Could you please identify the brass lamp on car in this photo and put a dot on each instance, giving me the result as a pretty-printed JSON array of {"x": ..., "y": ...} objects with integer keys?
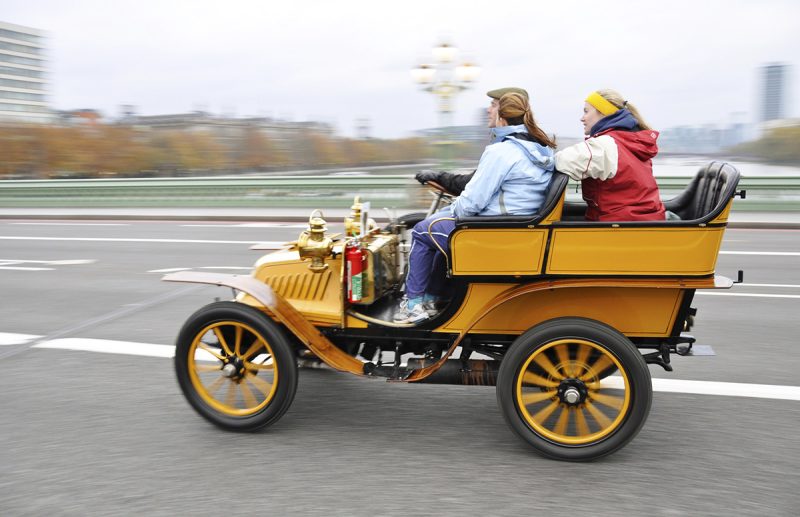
[
  {"x": 352, "y": 223},
  {"x": 313, "y": 244}
]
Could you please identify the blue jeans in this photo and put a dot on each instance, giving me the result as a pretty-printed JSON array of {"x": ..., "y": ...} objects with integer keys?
[{"x": 426, "y": 263}]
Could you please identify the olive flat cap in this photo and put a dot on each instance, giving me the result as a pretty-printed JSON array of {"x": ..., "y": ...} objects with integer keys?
[{"x": 496, "y": 94}]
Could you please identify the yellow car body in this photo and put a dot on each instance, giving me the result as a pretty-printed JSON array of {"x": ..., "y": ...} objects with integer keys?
[{"x": 518, "y": 284}]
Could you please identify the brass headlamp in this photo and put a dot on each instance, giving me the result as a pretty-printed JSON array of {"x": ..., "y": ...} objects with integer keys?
[
  {"x": 314, "y": 244},
  {"x": 352, "y": 223}
]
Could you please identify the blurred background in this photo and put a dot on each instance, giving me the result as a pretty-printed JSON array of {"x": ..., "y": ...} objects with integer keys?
[{"x": 146, "y": 89}]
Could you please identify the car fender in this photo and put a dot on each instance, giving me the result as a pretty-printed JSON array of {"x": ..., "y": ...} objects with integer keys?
[{"x": 282, "y": 311}]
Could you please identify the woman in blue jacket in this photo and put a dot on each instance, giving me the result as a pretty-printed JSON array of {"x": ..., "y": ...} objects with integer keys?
[{"x": 512, "y": 176}]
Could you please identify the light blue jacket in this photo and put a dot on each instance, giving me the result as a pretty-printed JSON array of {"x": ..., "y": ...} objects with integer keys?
[{"x": 511, "y": 178}]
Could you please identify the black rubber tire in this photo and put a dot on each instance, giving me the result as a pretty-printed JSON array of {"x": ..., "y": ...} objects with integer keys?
[
  {"x": 283, "y": 356},
  {"x": 610, "y": 340}
]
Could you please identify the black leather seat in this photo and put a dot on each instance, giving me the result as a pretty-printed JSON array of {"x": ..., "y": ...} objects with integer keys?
[
  {"x": 558, "y": 183},
  {"x": 707, "y": 194}
]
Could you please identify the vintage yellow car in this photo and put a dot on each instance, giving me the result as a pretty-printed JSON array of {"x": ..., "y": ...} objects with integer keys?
[{"x": 563, "y": 316}]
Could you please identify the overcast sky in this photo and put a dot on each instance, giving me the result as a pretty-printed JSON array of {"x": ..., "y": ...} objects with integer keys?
[{"x": 681, "y": 62}]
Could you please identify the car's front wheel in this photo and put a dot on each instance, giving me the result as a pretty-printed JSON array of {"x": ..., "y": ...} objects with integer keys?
[{"x": 235, "y": 366}]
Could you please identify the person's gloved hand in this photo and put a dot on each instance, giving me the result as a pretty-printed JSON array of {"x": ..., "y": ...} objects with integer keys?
[{"x": 427, "y": 175}]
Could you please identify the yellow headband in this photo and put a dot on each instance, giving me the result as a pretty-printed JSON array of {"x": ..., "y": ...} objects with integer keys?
[{"x": 600, "y": 104}]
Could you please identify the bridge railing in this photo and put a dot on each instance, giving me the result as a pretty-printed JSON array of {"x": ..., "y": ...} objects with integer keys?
[{"x": 764, "y": 193}]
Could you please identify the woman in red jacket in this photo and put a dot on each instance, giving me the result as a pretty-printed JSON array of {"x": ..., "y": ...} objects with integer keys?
[{"x": 614, "y": 163}]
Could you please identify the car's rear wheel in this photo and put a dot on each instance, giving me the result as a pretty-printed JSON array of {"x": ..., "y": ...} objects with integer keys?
[
  {"x": 235, "y": 366},
  {"x": 556, "y": 390}
]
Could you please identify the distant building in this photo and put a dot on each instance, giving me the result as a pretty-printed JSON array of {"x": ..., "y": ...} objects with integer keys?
[
  {"x": 773, "y": 95},
  {"x": 81, "y": 117},
  {"x": 363, "y": 128},
  {"x": 479, "y": 134},
  {"x": 23, "y": 85},
  {"x": 706, "y": 139},
  {"x": 228, "y": 131}
]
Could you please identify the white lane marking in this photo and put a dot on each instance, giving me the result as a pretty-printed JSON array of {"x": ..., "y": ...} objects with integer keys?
[
  {"x": 764, "y": 253},
  {"x": 225, "y": 267},
  {"x": 211, "y": 225},
  {"x": 247, "y": 225},
  {"x": 730, "y": 389},
  {"x": 8, "y": 338},
  {"x": 109, "y": 347},
  {"x": 769, "y": 285},
  {"x": 273, "y": 244},
  {"x": 71, "y": 224},
  {"x": 278, "y": 225},
  {"x": 173, "y": 269},
  {"x": 16, "y": 268},
  {"x": 746, "y": 295},
  {"x": 6, "y": 262},
  {"x": 15, "y": 265}
]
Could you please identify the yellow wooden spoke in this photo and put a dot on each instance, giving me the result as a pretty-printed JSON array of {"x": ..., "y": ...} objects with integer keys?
[
  {"x": 257, "y": 344},
  {"x": 249, "y": 399},
  {"x": 210, "y": 350},
  {"x": 207, "y": 367},
  {"x": 583, "y": 427},
  {"x": 237, "y": 345},
  {"x": 260, "y": 384},
  {"x": 545, "y": 412},
  {"x": 537, "y": 380},
  {"x": 597, "y": 368},
  {"x": 222, "y": 341},
  {"x": 583, "y": 356},
  {"x": 563, "y": 357},
  {"x": 598, "y": 415},
  {"x": 608, "y": 400},
  {"x": 563, "y": 421},
  {"x": 532, "y": 397},
  {"x": 544, "y": 361},
  {"x": 259, "y": 366},
  {"x": 230, "y": 398},
  {"x": 609, "y": 383},
  {"x": 216, "y": 385}
]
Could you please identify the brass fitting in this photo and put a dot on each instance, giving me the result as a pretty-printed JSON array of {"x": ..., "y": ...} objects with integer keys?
[
  {"x": 352, "y": 223},
  {"x": 313, "y": 243}
]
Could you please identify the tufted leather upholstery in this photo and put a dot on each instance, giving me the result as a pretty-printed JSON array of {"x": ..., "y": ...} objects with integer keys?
[{"x": 707, "y": 194}]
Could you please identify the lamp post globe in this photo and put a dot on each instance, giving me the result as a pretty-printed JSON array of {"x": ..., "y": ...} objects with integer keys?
[{"x": 445, "y": 79}]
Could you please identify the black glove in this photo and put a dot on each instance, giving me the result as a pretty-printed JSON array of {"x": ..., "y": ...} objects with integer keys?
[
  {"x": 427, "y": 175},
  {"x": 454, "y": 183}
]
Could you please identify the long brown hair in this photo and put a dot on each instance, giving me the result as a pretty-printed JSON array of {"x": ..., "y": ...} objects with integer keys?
[
  {"x": 514, "y": 108},
  {"x": 617, "y": 100}
]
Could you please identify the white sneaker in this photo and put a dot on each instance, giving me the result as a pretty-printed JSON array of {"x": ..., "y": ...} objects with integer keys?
[
  {"x": 406, "y": 315},
  {"x": 435, "y": 306},
  {"x": 431, "y": 308}
]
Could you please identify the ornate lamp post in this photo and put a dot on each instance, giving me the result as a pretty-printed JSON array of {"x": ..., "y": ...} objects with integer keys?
[{"x": 445, "y": 79}]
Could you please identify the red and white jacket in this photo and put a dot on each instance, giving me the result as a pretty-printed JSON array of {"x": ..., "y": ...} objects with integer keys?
[{"x": 616, "y": 172}]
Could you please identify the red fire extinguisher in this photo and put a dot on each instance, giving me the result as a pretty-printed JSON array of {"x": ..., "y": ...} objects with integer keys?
[{"x": 354, "y": 261}]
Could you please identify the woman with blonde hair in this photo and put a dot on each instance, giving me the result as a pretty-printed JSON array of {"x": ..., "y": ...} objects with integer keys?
[
  {"x": 614, "y": 163},
  {"x": 511, "y": 179}
]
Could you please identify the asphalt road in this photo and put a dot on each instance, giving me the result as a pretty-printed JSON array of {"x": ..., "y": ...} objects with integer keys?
[{"x": 107, "y": 434}]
